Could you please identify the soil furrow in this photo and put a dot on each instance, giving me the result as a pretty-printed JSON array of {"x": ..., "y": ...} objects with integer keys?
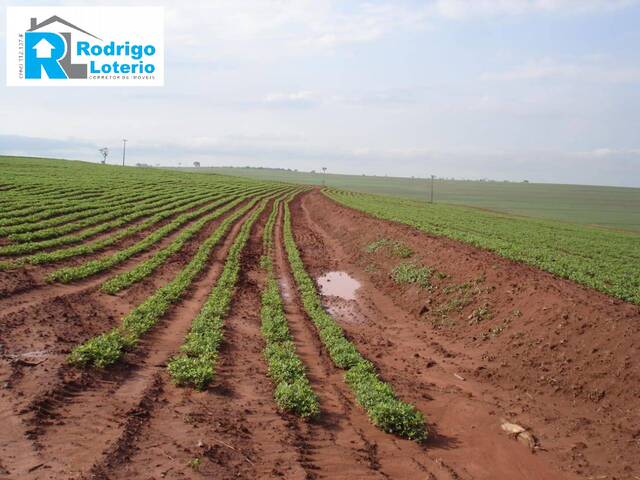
[
  {"x": 121, "y": 450},
  {"x": 343, "y": 439},
  {"x": 233, "y": 430},
  {"x": 79, "y": 419}
]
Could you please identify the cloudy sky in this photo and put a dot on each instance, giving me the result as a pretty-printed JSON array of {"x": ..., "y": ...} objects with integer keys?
[{"x": 547, "y": 90}]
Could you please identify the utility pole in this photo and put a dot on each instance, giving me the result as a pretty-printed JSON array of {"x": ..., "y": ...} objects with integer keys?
[
  {"x": 324, "y": 176},
  {"x": 124, "y": 149},
  {"x": 432, "y": 178}
]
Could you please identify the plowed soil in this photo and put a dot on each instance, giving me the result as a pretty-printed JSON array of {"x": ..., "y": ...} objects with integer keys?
[{"x": 488, "y": 342}]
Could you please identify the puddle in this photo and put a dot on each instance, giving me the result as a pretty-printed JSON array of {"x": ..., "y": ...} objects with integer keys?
[{"x": 338, "y": 284}]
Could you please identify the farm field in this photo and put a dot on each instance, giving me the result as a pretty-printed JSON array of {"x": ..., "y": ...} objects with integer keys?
[
  {"x": 609, "y": 207},
  {"x": 164, "y": 324}
]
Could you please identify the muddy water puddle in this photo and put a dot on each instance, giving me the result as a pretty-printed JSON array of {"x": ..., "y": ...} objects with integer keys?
[
  {"x": 338, "y": 284},
  {"x": 339, "y": 290}
]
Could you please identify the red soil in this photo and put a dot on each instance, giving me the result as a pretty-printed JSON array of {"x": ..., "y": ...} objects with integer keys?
[{"x": 563, "y": 367}]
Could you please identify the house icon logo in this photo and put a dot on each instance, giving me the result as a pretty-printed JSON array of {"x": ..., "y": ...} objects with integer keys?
[{"x": 50, "y": 53}]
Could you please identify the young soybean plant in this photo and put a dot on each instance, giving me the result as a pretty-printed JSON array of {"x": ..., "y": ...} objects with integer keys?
[
  {"x": 378, "y": 399},
  {"x": 197, "y": 362},
  {"x": 97, "y": 245},
  {"x": 126, "y": 279},
  {"x": 70, "y": 274},
  {"x": 108, "y": 348},
  {"x": 34, "y": 246},
  {"x": 293, "y": 391}
]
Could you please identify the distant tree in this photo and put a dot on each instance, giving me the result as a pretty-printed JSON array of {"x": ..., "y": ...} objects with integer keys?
[
  {"x": 105, "y": 153},
  {"x": 196, "y": 164},
  {"x": 525, "y": 181}
]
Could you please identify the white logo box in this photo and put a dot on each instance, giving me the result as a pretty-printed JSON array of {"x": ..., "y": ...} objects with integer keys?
[{"x": 85, "y": 46}]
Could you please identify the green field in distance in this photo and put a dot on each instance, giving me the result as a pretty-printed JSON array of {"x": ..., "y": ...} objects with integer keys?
[{"x": 611, "y": 207}]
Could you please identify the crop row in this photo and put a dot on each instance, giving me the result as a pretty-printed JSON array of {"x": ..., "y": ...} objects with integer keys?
[
  {"x": 109, "y": 347},
  {"x": 126, "y": 279},
  {"x": 73, "y": 232},
  {"x": 293, "y": 391},
  {"x": 97, "y": 245},
  {"x": 57, "y": 231},
  {"x": 197, "y": 363},
  {"x": 188, "y": 201},
  {"x": 30, "y": 208},
  {"x": 92, "y": 267},
  {"x": 34, "y": 208},
  {"x": 78, "y": 212},
  {"x": 59, "y": 208},
  {"x": 378, "y": 399},
  {"x": 70, "y": 274},
  {"x": 19, "y": 206}
]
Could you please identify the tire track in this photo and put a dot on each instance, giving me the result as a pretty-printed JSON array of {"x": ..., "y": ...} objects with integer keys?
[{"x": 18, "y": 454}]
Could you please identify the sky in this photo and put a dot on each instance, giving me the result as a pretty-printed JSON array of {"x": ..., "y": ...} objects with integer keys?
[{"x": 543, "y": 90}]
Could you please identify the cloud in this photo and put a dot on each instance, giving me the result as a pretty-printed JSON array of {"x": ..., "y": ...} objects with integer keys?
[
  {"x": 208, "y": 31},
  {"x": 462, "y": 9},
  {"x": 383, "y": 97},
  {"x": 284, "y": 28},
  {"x": 630, "y": 153},
  {"x": 301, "y": 99},
  {"x": 304, "y": 27},
  {"x": 392, "y": 97},
  {"x": 548, "y": 68}
]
